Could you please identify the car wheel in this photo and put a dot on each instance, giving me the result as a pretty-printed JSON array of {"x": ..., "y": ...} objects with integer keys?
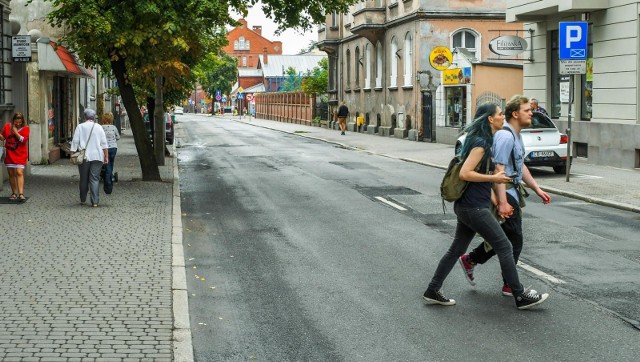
[{"x": 560, "y": 170}]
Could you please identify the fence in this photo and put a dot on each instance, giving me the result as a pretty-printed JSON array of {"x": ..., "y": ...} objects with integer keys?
[{"x": 295, "y": 107}]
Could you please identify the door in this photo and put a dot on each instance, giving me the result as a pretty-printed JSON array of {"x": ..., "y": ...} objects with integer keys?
[{"x": 427, "y": 117}]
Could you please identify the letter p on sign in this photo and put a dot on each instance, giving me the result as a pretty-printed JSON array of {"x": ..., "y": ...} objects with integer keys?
[{"x": 574, "y": 35}]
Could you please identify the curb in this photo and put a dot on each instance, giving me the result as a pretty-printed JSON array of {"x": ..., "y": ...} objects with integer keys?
[
  {"x": 182, "y": 344},
  {"x": 573, "y": 195}
]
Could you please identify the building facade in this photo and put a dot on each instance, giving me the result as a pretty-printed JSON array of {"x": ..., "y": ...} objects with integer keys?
[
  {"x": 247, "y": 45},
  {"x": 379, "y": 64},
  {"x": 605, "y": 127}
]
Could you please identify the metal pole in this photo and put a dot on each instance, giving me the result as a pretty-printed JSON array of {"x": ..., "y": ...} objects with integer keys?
[{"x": 568, "y": 131}]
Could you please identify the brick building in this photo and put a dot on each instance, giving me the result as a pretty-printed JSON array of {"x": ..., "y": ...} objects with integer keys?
[{"x": 247, "y": 44}]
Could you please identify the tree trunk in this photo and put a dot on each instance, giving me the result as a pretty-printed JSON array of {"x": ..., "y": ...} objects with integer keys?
[
  {"x": 159, "y": 125},
  {"x": 148, "y": 164}
]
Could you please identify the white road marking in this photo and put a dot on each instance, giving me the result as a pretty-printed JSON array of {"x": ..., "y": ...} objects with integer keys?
[
  {"x": 540, "y": 273},
  {"x": 392, "y": 204}
]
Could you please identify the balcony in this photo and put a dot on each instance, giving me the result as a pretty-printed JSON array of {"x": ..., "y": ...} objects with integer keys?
[
  {"x": 524, "y": 10},
  {"x": 369, "y": 22}
]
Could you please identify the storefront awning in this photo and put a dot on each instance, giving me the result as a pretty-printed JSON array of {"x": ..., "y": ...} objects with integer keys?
[{"x": 56, "y": 58}]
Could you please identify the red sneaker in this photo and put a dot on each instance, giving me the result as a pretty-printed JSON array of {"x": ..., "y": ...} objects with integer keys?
[
  {"x": 467, "y": 267},
  {"x": 506, "y": 291}
]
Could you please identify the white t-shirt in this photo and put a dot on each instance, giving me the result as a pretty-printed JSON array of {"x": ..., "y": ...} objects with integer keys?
[
  {"x": 94, "y": 146},
  {"x": 112, "y": 135}
]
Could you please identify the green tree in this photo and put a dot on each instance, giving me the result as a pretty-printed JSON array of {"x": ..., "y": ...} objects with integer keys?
[
  {"x": 144, "y": 39},
  {"x": 292, "y": 80},
  {"x": 216, "y": 72},
  {"x": 316, "y": 81}
]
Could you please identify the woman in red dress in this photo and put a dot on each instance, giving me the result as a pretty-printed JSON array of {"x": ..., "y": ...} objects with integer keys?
[{"x": 15, "y": 136}]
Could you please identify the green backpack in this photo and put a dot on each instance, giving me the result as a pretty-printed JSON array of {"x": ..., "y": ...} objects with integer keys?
[{"x": 452, "y": 187}]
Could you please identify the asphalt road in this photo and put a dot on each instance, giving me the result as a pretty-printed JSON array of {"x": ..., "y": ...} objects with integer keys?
[{"x": 292, "y": 256}]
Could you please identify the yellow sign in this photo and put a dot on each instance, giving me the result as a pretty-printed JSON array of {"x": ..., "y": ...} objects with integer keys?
[
  {"x": 240, "y": 90},
  {"x": 456, "y": 76},
  {"x": 441, "y": 58}
]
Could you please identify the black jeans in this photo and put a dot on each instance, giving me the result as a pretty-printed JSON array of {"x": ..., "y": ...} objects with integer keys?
[
  {"x": 512, "y": 227},
  {"x": 480, "y": 221}
]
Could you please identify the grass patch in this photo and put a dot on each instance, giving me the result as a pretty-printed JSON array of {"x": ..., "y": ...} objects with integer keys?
[{"x": 300, "y": 132}]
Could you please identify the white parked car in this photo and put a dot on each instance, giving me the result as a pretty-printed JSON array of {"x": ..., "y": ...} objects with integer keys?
[
  {"x": 543, "y": 143},
  {"x": 178, "y": 110}
]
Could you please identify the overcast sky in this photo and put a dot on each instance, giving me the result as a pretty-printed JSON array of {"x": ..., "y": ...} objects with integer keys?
[{"x": 292, "y": 41}]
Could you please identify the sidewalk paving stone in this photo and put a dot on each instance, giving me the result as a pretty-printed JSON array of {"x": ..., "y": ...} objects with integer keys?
[{"x": 77, "y": 281}]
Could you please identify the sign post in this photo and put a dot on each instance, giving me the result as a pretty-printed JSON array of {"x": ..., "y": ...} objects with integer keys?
[{"x": 573, "y": 62}]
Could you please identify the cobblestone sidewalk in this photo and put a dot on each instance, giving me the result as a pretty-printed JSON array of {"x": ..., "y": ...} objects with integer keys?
[{"x": 87, "y": 284}]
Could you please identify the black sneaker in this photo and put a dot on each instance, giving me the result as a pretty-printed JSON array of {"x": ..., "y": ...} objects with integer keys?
[
  {"x": 530, "y": 298},
  {"x": 432, "y": 297}
]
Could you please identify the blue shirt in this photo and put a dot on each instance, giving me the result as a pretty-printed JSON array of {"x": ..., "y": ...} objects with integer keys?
[{"x": 503, "y": 143}]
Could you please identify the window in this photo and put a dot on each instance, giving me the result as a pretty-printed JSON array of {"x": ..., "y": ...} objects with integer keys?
[
  {"x": 467, "y": 39},
  {"x": 586, "y": 110},
  {"x": 378, "y": 65},
  {"x": 241, "y": 45},
  {"x": 244, "y": 61},
  {"x": 559, "y": 83},
  {"x": 358, "y": 63},
  {"x": 408, "y": 59},
  {"x": 348, "y": 65},
  {"x": 247, "y": 44},
  {"x": 393, "y": 79},
  {"x": 236, "y": 45},
  {"x": 334, "y": 19},
  {"x": 367, "y": 67}
]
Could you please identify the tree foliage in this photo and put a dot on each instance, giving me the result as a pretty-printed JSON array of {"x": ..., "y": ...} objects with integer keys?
[
  {"x": 216, "y": 72},
  {"x": 316, "y": 81},
  {"x": 144, "y": 39}
]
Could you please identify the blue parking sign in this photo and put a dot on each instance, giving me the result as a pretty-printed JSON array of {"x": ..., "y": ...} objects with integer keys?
[{"x": 573, "y": 40}]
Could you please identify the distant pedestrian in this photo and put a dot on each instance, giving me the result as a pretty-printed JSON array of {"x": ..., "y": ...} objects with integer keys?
[
  {"x": 113, "y": 136},
  {"x": 474, "y": 215},
  {"x": 509, "y": 153},
  {"x": 535, "y": 107},
  {"x": 15, "y": 135},
  {"x": 343, "y": 113},
  {"x": 94, "y": 141}
]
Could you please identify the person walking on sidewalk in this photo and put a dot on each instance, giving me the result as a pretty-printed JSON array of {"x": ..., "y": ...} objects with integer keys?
[
  {"x": 94, "y": 141},
  {"x": 15, "y": 135},
  {"x": 474, "y": 215},
  {"x": 343, "y": 113},
  {"x": 113, "y": 136},
  {"x": 508, "y": 153}
]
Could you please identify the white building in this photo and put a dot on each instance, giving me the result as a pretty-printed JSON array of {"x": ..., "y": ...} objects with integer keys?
[{"x": 606, "y": 129}]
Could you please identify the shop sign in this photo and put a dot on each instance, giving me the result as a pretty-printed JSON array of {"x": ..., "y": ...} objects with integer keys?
[
  {"x": 456, "y": 76},
  {"x": 441, "y": 58},
  {"x": 21, "y": 48},
  {"x": 573, "y": 67},
  {"x": 509, "y": 45}
]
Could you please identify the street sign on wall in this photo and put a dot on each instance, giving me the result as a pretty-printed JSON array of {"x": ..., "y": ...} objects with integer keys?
[
  {"x": 573, "y": 40},
  {"x": 508, "y": 45},
  {"x": 21, "y": 48}
]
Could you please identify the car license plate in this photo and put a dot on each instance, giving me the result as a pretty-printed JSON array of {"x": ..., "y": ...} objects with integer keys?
[{"x": 539, "y": 154}]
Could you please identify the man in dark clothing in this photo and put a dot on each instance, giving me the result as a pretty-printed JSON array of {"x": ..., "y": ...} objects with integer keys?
[
  {"x": 535, "y": 107},
  {"x": 343, "y": 113}
]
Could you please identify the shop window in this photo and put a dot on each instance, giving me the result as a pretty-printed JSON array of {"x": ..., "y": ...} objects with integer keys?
[
  {"x": 408, "y": 55},
  {"x": 456, "y": 106},
  {"x": 358, "y": 63},
  {"x": 378, "y": 65},
  {"x": 393, "y": 78},
  {"x": 586, "y": 96},
  {"x": 367, "y": 67},
  {"x": 467, "y": 39},
  {"x": 348, "y": 65}
]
